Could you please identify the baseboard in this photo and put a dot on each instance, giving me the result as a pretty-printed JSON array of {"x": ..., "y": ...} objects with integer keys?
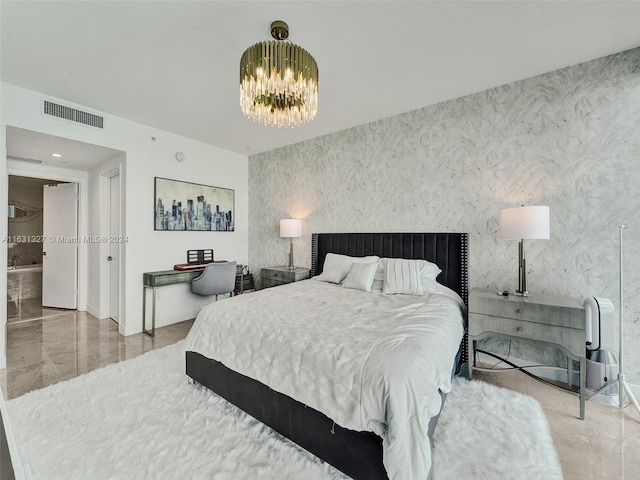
[
  {"x": 174, "y": 318},
  {"x": 91, "y": 310}
]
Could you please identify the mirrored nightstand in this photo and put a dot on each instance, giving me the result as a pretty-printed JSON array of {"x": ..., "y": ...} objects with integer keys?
[{"x": 280, "y": 275}]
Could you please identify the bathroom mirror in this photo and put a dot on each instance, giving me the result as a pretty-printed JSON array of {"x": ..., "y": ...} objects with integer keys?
[
  {"x": 16, "y": 212},
  {"x": 21, "y": 212}
]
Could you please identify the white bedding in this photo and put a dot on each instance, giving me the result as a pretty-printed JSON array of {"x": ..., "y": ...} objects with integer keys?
[{"x": 368, "y": 361}]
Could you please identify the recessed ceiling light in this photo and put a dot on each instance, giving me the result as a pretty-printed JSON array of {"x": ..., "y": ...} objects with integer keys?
[{"x": 57, "y": 155}]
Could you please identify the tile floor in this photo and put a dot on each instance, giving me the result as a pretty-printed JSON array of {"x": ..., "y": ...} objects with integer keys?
[
  {"x": 41, "y": 352},
  {"x": 30, "y": 309},
  {"x": 605, "y": 445},
  {"x": 69, "y": 343}
]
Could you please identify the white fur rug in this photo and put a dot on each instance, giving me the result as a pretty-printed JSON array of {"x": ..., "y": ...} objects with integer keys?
[{"x": 140, "y": 419}]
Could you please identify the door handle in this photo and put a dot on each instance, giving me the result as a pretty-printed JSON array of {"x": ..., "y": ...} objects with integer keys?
[
  {"x": 109, "y": 258},
  {"x": 44, "y": 254}
]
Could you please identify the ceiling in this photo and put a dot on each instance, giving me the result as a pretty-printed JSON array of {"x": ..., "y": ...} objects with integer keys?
[
  {"x": 174, "y": 65},
  {"x": 25, "y": 145}
]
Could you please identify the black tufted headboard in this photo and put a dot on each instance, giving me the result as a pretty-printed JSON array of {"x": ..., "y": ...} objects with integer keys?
[{"x": 447, "y": 250}]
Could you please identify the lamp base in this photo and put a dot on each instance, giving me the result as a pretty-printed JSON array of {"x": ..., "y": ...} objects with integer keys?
[{"x": 290, "y": 266}]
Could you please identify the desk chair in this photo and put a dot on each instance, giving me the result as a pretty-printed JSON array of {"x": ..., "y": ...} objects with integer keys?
[{"x": 217, "y": 279}]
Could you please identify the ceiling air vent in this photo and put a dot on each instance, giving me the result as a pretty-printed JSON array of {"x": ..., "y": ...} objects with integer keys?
[
  {"x": 23, "y": 159},
  {"x": 68, "y": 113}
]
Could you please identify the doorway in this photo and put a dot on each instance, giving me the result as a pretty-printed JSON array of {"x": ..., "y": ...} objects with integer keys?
[
  {"x": 114, "y": 245},
  {"x": 60, "y": 246},
  {"x": 39, "y": 279},
  {"x": 44, "y": 156}
]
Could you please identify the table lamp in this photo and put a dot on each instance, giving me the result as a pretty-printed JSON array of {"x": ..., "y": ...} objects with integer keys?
[
  {"x": 290, "y": 228},
  {"x": 520, "y": 223}
]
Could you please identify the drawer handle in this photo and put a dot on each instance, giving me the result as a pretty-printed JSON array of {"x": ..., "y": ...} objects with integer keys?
[
  {"x": 518, "y": 329},
  {"x": 518, "y": 310}
]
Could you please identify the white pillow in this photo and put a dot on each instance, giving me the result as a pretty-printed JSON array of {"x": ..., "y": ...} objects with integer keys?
[
  {"x": 360, "y": 276},
  {"x": 336, "y": 267},
  {"x": 429, "y": 271},
  {"x": 378, "y": 279},
  {"x": 402, "y": 276}
]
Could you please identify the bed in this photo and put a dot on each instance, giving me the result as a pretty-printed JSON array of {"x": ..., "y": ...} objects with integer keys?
[{"x": 345, "y": 440}]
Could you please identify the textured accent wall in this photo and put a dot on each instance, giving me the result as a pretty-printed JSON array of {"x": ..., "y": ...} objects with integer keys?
[{"x": 569, "y": 139}]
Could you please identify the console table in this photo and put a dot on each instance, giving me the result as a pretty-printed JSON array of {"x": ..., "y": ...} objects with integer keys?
[
  {"x": 154, "y": 280},
  {"x": 551, "y": 320}
]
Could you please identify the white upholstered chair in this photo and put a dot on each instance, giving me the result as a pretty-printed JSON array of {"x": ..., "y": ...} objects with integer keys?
[{"x": 217, "y": 279}]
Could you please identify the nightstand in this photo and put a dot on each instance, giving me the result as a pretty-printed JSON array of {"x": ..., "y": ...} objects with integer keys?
[
  {"x": 274, "y": 276},
  {"x": 551, "y": 320}
]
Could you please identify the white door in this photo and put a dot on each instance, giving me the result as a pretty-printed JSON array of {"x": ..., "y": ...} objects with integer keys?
[
  {"x": 114, "y": 247},
  {"x": 60, "y": 249}
]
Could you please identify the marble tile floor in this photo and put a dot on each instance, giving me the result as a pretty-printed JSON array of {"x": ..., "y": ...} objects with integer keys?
[
  {"x": 605, "y": 445},
  {"x": 49, "y": 350},
  {"x": 29, "y": 309},
  {"x": 56, "y": 348}
]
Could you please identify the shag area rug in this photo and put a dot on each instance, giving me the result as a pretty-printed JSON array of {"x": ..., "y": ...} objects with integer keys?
[{"x": 140, "y": 419}]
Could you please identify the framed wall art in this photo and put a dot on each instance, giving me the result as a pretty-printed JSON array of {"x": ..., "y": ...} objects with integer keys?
[{"x": 185, "y": 206}]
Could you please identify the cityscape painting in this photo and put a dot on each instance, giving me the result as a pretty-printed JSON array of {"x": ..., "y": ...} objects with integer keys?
[{"x": 188, "y": 206}]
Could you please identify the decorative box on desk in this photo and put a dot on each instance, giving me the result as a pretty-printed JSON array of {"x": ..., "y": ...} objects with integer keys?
[
  {"x": 550, "y": 320},
  {"x": 274, "y": 276}
]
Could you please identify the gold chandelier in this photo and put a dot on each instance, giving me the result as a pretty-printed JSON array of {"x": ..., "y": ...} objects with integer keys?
[{"x": 278, "y": 81}]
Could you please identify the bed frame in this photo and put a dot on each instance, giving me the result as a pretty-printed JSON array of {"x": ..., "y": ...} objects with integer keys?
[{"x": 357, "y": 454}]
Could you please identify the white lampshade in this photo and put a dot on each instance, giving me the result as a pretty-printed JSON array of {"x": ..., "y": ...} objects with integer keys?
[
  {"x": 291, "y": 228},
  {"x": 524, "y": 223}
]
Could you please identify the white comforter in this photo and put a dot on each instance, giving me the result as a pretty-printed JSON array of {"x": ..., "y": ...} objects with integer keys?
[{"x": 366, "y": 360}]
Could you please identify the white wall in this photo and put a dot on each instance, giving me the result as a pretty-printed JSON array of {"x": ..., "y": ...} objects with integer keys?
[{"x": 149, "y": 152}]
